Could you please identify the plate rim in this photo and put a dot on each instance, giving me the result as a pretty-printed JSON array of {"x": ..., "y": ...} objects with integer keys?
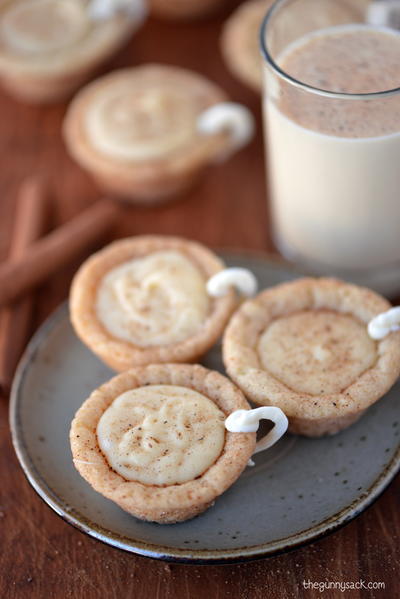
[{"x": 172, "y": 554}]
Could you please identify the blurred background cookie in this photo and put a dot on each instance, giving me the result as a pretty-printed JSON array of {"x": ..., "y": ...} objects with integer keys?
[
  {"x": 142, "y": 135},
  {"x": 48, "y": 48}
]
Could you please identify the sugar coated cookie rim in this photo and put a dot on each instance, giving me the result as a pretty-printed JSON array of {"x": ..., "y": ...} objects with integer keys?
[
  {"x": 151, "y": 501},
  {"x": 251, "y": 319},
  {"x": 118, "y": 351}
]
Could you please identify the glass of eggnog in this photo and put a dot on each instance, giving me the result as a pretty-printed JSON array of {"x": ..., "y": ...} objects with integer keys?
[{"x": 332, "y": 120}]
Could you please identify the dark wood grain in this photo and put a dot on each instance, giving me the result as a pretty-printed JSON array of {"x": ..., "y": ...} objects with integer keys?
[{"x": 40, "y": 555}]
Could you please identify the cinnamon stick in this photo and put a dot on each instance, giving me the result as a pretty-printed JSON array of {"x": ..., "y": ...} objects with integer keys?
[
  {"x": 56, "y": 249},
  {"x": 29, "y": 224}
]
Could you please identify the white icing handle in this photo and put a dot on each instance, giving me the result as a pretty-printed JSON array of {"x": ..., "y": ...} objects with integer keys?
[
  {"x": 100, "y": 10},
  {"x": 385, "y": 323},
  {"x": 242, "y": 279},
  {"x": 248, "y": 421},
  {"x": 229, "y": 117}
]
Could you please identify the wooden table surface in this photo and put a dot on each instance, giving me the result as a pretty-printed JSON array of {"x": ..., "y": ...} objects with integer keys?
[{"x": 43, "y": 557}]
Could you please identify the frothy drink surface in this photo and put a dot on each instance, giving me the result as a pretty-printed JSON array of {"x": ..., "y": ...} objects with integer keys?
[{"x": 351, "y": 59}]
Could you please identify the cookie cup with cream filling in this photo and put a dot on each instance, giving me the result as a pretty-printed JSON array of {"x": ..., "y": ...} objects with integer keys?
[
  {"x": 152, "y": 440},
  {"x": 138, "y": 131},
  {"x": 304, "y": 347},
  {"x": 48, "y": 48},
  {"x": 144, "y": 300}
]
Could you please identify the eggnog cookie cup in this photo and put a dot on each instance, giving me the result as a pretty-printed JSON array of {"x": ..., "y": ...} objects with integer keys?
[
  {"x": 304, "y": 347},
  {"x": 147, "y": 133},
  {"x": 48, "y": 48},
  {"x": 144, "y": 300},
  {"x": 153, "y": 440}
]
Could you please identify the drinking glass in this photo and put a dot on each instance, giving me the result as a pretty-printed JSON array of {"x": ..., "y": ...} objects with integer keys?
[{"x": 333, "y": 157}]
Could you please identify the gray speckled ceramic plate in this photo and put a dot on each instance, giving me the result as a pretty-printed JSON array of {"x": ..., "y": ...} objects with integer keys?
[{"x": 298, "y": 491}]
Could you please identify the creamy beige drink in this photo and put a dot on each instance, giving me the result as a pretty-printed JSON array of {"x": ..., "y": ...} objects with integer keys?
[{"x": 334, "y": 163}]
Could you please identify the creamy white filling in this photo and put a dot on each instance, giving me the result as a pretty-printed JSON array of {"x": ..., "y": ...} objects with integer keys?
[
  {"x": 130, "y": 121},
  {"x": 155, "y": 300},
  {"x": 161, "y": 434},
  {"x": 317, "y": 352}
]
